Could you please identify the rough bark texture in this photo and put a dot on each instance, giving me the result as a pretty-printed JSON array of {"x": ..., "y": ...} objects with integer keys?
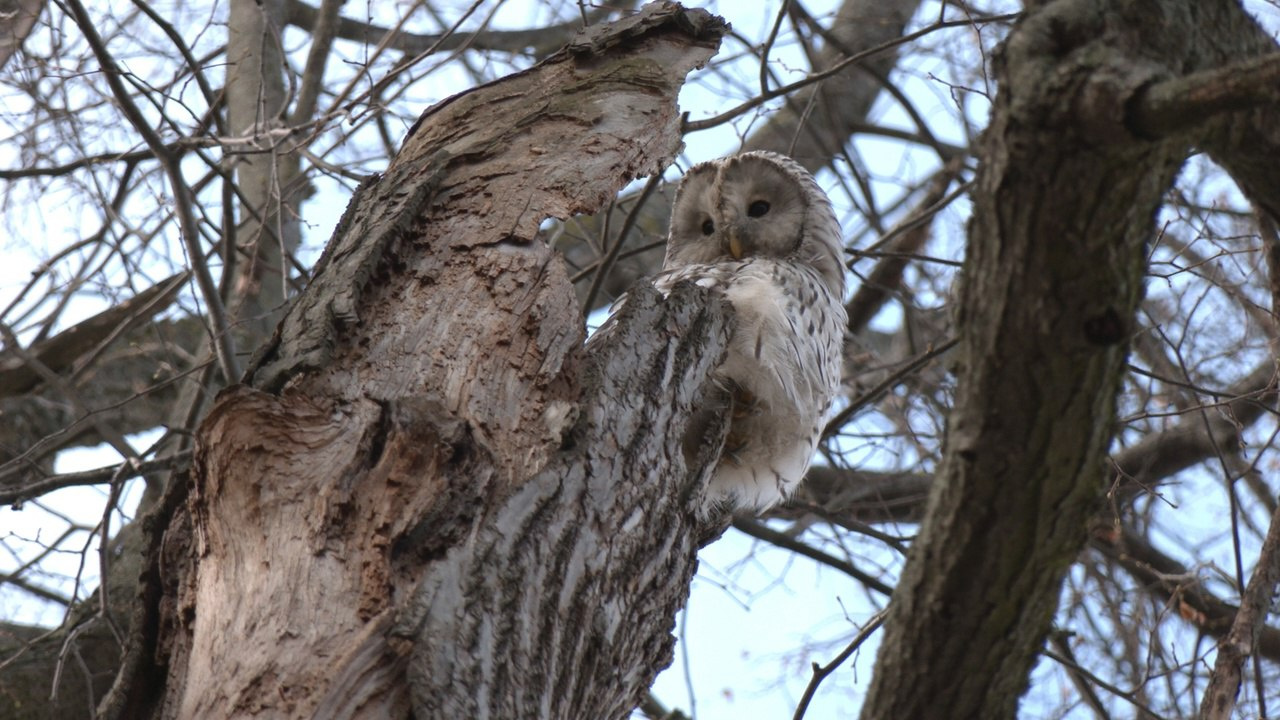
[
  {"x": 1063, "y": 209},
  {"x": 562, "y": 605},
  {"x": 20, "y": 17},
  {"x": 425, "y": 497}
]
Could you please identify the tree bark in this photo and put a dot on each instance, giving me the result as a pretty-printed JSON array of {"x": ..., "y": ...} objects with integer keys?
[
  {"x": 426, "y": 498},
  {"x": 20, "y": 17},
  {"x": 1064, "y": 206}
]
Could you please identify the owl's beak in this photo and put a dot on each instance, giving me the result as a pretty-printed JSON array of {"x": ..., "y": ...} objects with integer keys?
[{"x": 735, "y": 243}]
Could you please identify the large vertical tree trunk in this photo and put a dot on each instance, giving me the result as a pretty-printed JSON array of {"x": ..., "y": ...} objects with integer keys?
[
  {"x": 425, "y": 496},
  {"x": 265, "y": 172},
  {"x": 1064, "y": 207}
]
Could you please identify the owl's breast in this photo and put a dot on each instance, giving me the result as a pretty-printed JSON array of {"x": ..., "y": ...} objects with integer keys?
[{"x": 786, "y": 338}]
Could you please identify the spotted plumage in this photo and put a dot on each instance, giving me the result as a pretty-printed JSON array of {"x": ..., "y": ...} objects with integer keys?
[{"x": 758, "y": 228}]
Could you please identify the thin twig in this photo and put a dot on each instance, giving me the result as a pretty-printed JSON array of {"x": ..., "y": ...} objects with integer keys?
[
  {"x": 820, "y": 672},
  {"x": 606, "y": 264},
  {"x": 886, "y": 385},
  {"x": 1243, "y": 638},
  {"x": 170, "y": 162},
  {"x": 1079, "y": 676},
  {"x": 760, "y": 531},
  {"x": 1127, "y": 696},
  {"x": 96, "y": 476},
  {"x": 1241, "y": 641},
  {"x": 836, "y": 69}
]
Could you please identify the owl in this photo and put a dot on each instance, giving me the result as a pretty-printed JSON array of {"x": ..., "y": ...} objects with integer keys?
[{"x": 757, "y": 228}]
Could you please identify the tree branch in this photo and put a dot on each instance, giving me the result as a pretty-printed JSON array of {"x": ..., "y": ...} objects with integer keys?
[
  {"x": 1243, "y": 638},
  {"x": 87, "y": 337},
  {"x": 1157, "y": 456},
  {"x": 1174, "y": 105},
  {"x": 222, "y": 340},
  {"x": 760, "y": 531},
  {"x": 908, "y": 237},
  {"x": 1174, "y": 583},
  {"x": 97, "y": 476},
  {"x": 539, "y": 42},
  {"x": 820, "y": 672}
]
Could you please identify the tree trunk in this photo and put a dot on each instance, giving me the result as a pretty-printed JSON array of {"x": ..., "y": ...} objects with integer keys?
[
  {"x": 1064, "y": 208},
  {"x": 426, "y": 497},
  {"x": 266, "y": 173}
]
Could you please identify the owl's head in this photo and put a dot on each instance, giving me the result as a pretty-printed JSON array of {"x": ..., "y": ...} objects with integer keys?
[{"x": 757, "y": 204}]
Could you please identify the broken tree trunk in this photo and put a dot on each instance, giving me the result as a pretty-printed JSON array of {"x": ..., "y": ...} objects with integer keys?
[{"x": 426, "y": 497}]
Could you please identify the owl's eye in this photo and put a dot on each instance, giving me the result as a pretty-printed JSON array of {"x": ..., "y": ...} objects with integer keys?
[
  {"x": 757, "y": 209},
  {"x": 708, "y": 227}
]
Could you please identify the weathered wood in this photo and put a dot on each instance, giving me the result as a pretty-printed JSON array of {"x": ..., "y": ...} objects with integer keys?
[
  {"x": 562, "y": 603},
  {"x": 426, "y": 496}
]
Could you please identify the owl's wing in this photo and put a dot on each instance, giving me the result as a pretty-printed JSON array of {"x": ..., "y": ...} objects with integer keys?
[
  {"x": 778, "y": 377},
  {"x": 780, "y": 313},
  {"x": 714, "y": 276}
]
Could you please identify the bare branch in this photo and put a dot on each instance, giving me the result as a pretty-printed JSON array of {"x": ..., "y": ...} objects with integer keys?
[
  {"x": 1173, "y": 582},
  {"x": 820, "y": 673},
  {"x": 190, "y": 234},
  {"x": 1174, "y": 105},
  {"x": 907, "y": 238},
  {"x": 760, "y": 531},
  {"x": 323, "y": 30},
  {"x": 834, "y": 70},
  {"x": 1241, "y": 641},
  {"x": 59, "y": 352},
  {"x": 538, "y": 42},
  {"x": 121, "y": 471}
]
